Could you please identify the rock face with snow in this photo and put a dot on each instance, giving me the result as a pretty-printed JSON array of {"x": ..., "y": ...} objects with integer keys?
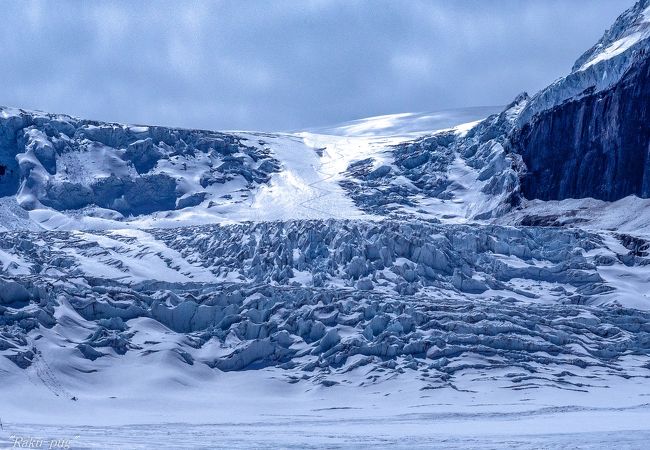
[
  {"x": 464, "y": 173},
  {"x": 602, "y": 66},
  {"x": 64, "y": 163},
  {"x": 587, "y": 135},
  {"x": 596, "y": 146}
]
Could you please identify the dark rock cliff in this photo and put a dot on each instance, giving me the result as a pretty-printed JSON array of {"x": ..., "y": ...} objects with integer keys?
[{"x": 594, "y": 146}]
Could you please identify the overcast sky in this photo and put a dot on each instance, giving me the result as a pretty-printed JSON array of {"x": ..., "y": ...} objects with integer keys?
[{"x": 283, "y": 65}]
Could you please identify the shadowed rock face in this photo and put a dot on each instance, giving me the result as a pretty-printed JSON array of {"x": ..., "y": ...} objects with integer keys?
[{"x": 596, "y": 146}]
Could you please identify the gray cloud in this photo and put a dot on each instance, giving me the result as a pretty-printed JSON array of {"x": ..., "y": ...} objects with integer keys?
[{"x": 285, "y": 64}]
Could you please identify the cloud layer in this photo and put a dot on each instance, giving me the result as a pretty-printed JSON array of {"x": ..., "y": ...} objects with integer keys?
[{"x": 285, "y": 64}]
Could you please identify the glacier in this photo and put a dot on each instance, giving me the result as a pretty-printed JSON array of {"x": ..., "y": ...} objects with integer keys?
[{"x": 472, "y": 278}]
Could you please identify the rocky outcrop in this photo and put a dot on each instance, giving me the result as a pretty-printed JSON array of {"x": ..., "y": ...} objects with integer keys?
[
  {"x": 597, "y": 146},
  {"x": 65, "y": 163},
  {"x": 587, "y": 134}
]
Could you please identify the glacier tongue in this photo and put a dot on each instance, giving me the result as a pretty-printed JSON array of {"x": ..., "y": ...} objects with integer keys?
[
  {"x": 323, "y": 318},
  {"x": 314, "y": 294}
]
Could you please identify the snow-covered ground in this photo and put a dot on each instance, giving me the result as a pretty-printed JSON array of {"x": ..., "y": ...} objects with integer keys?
[{"x": 209, "y": 411}]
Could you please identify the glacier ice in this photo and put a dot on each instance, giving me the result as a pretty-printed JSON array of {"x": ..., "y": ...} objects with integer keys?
[{"x": 308, "y": 296}]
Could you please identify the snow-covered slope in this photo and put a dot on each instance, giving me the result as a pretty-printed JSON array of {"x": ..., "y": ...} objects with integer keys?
[
  {"x": 60, "y": 172},
  {"x": 329, "y": 321},
  {"x": 409, "y": 124}
]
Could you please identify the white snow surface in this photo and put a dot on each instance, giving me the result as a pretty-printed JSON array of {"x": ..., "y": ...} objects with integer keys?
[
  {"x": 194, "y": 407},
  {"x": 409, "y": 124}
]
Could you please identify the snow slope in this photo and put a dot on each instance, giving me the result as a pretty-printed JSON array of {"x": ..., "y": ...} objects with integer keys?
[
  {"x": 74, "y": 174},
  {"x": 409, "y": 124},
  {"x": 310, "y": 330}
]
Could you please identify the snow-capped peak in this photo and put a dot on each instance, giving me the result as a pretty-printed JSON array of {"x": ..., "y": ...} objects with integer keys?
[
  {"x": 632, "y": 27},
  {"x": 602, "y": 66}
]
